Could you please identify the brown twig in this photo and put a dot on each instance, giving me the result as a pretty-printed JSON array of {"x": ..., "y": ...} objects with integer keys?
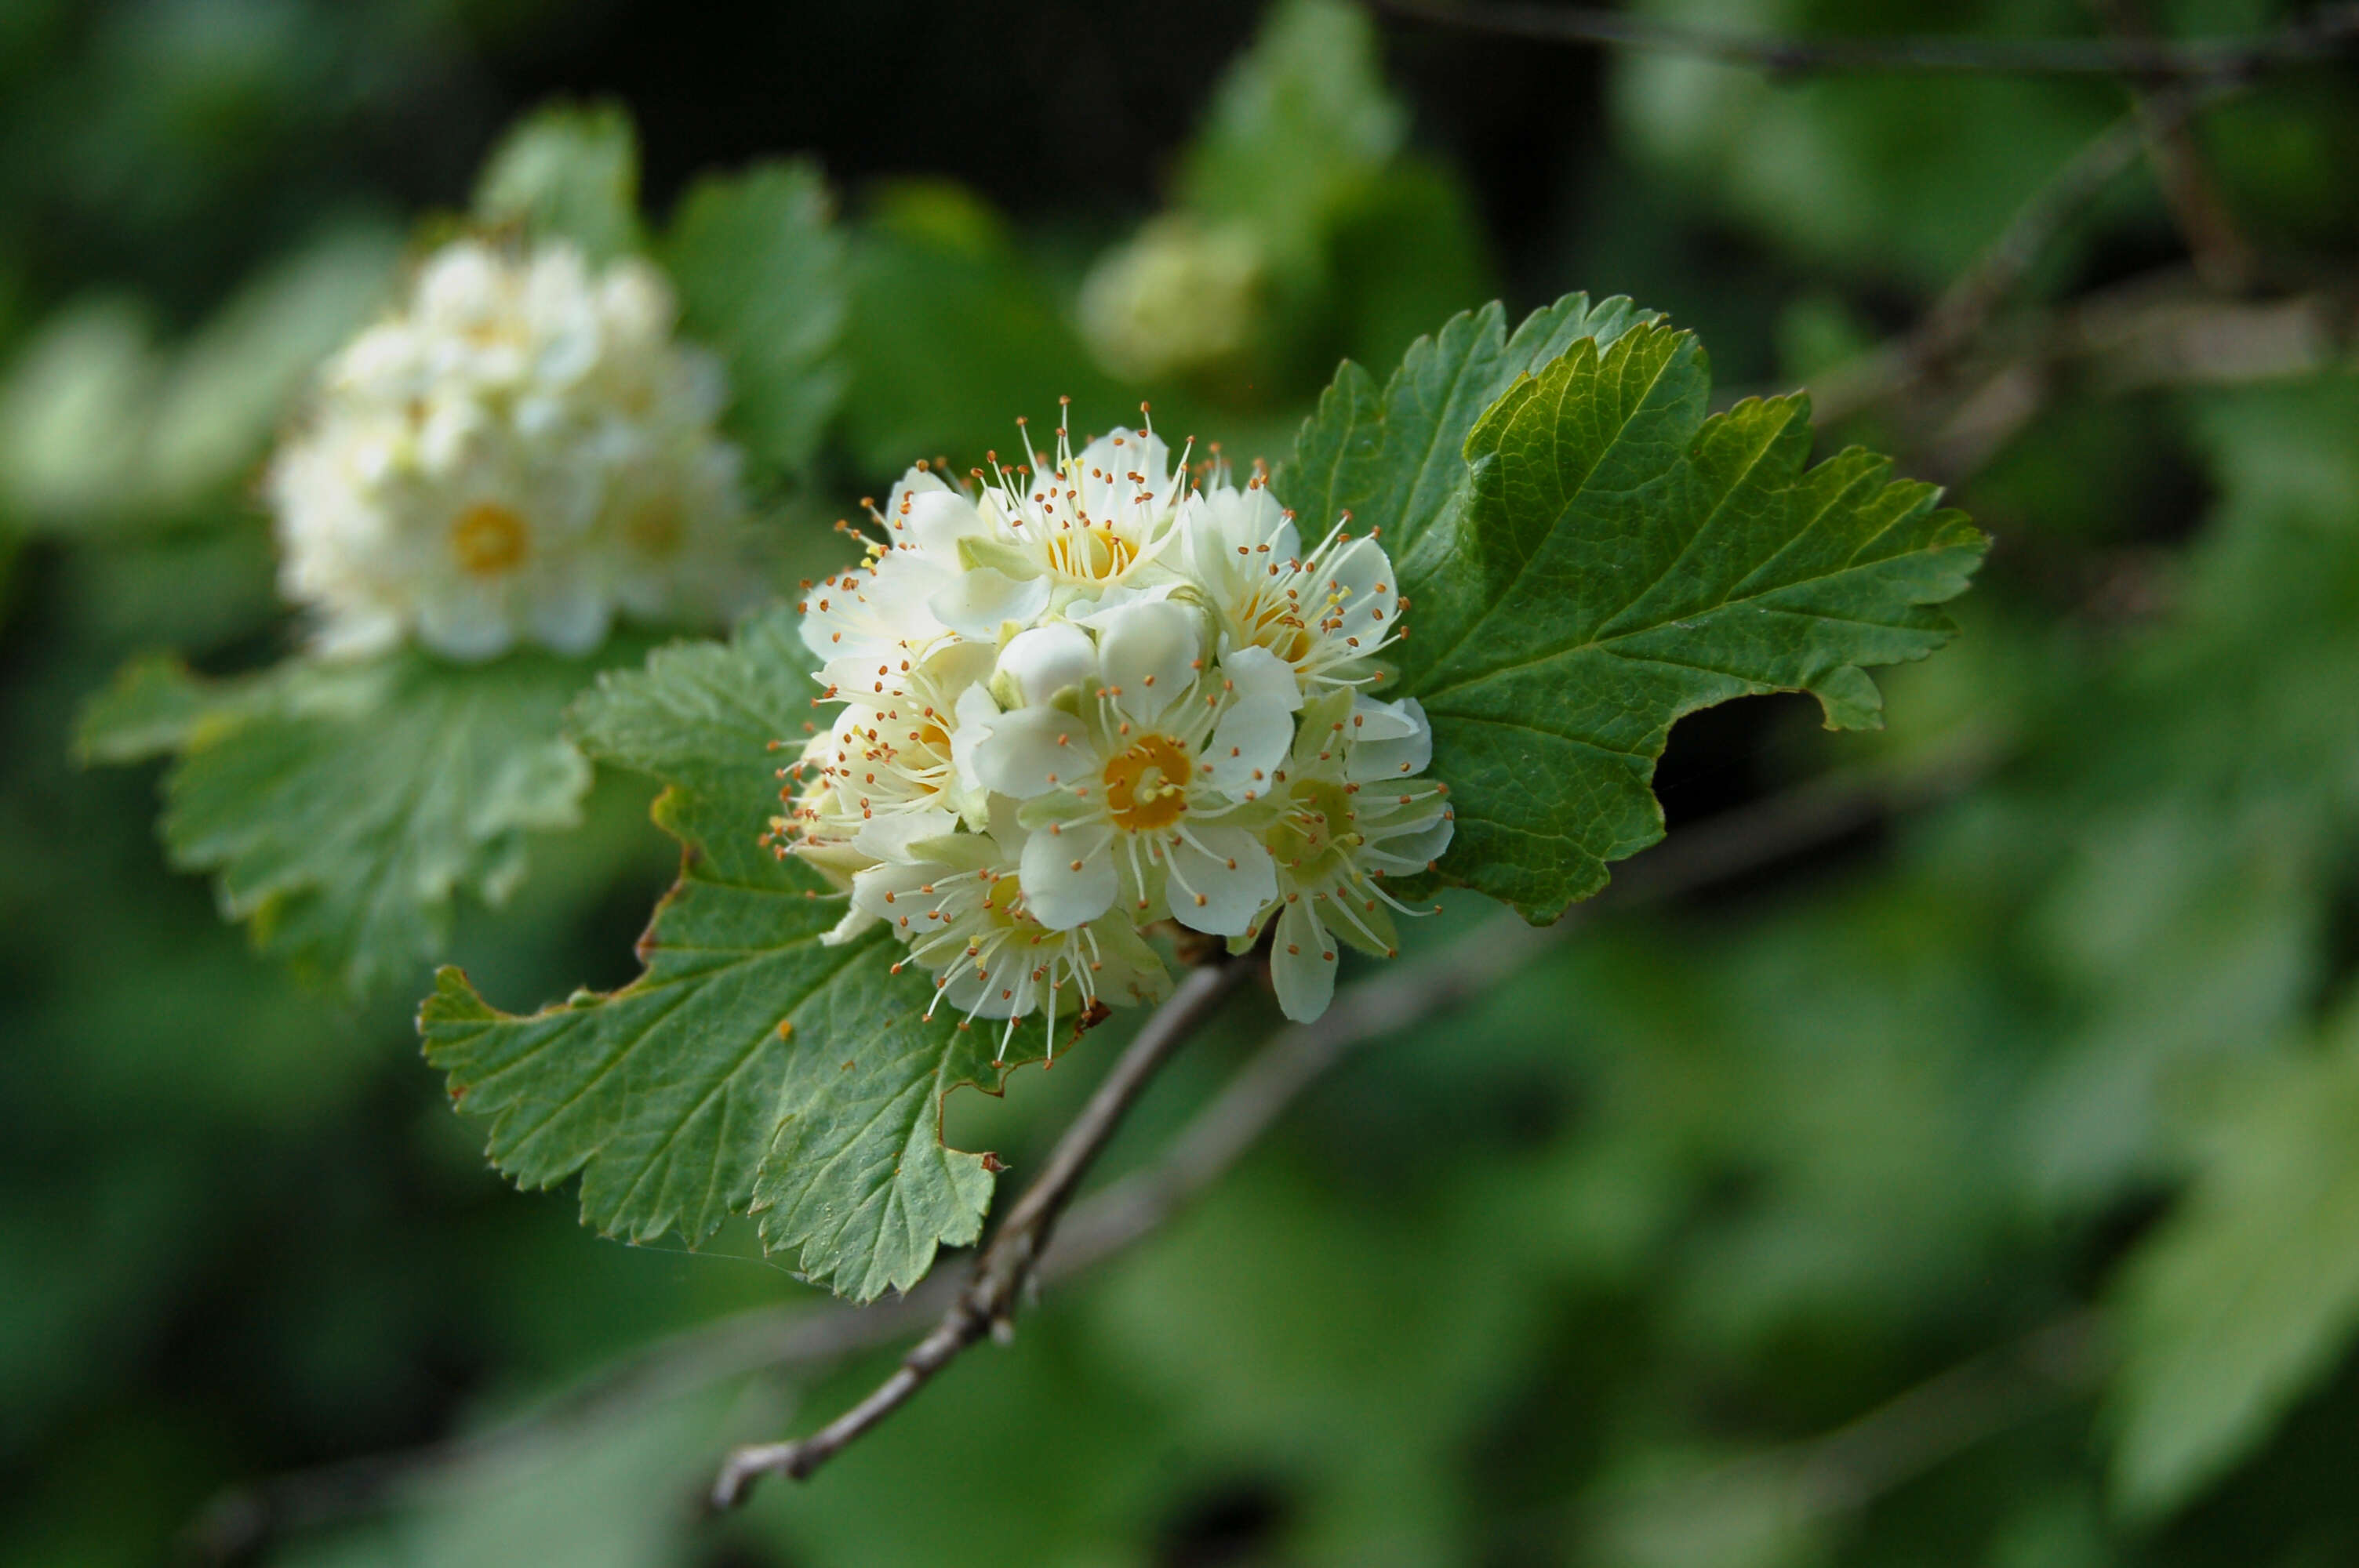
[
  {"x": 2326, "y": 34},
  {"x": 2222, "y": 257},
  {"x": 1004, "y": 1268}
]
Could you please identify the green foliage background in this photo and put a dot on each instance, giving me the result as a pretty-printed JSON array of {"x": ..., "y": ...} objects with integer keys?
[{"x": 2030, "y": 1106}]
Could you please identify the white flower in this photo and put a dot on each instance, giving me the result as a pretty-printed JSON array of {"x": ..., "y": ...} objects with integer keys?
[
  {"x": 1085, "y": 698},
  {"x": 1087, "y": 533},
  {"x": 1352, "y": 811},
  {"x": 1327, "y": 614},
  {"x": 520, "y": 455},
  {"x": 880, "y": 779},
  {"x": 1140, "y": 792},
  {"x": 961, "y": 904}
]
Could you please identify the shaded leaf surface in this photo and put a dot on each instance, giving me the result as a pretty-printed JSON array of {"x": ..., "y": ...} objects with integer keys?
[
  {"x": 2250, "y": 1292},
  {"x": 570, "y": 172},
  {"x": 1604, "y": 559},
  {"x": 761, "y": 280},
  {"x": 343, "y": 805},
  {"x": 750, "y": 1068},
  {"x": 1297, "y": 124}
]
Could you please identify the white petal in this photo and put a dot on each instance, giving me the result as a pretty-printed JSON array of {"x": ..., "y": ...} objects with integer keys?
[
  {"x": 573, "y": 619},
  {"x": 1001, "y": 824},
  {"x": 1148, "y": 654},
  {"x": 1097, "y": 612},
  {"x": 464, "y": 624},
  {"x": 1108, "y": 492},
  {"x": 980, "y": 601},
  {"x": 935, "y": 521},
  {"x": 1390, "y": 740},
  {"x": 1069, "y": 876},
  {"x": 868, "y": 673},
  {"x": 1127, "y": 968},
  {"x": 1248, "y": 745},
  {"x": 1227, "y": 526},
  {"x": 1406, "y": 853},
  {"x": 1045, "y": 660},
  {"x": 887, "y": 836},
  {"x": 974, "y": 715},
  {"x": 889, "y": 891},
  {"x": 1358, "y": 572},
  {"x": 1219, "y": 892},
  {"x": 1003, "y": 989},
  {"x": 955, "y": 667},
  {"x": 1258, "y": 673},
  {"x": 1032, "y": 750},
  {"x": 1302, "y": 964}
]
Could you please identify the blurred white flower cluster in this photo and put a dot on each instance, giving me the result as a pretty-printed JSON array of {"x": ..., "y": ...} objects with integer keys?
[
  {"x": 1085, "y": 696},
  {"x": 518, "y": 455},
  {"x": 1178, "y": 298}
]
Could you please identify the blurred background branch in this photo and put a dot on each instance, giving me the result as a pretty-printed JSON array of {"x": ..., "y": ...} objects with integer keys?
[{"x": 2327, "y": 34}]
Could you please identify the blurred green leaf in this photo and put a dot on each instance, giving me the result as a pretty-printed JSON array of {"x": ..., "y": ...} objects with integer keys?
[
  {"x": 1898, "y": 177},
  {"x": 2250, "y": 1292},
  {"x": 1296, "y": 124},
  {"x": 73, "y": 410},
  {"x": 760, "y": 274},
  {"x": 1740, "y": 1513},
  {"x": 235, "y": 383},
  {"x": 568, "y": 171},
  {"x": 952, "y": 335},
  {"x": 344, "y": 804},
  {"x": 99, "y": 425},
  {"x": 751, "y": 1067},
  {"x": 1408, "y": 252}
]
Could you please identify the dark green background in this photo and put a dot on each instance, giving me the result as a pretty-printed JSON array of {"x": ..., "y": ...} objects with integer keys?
[{"x": 1558, "y": 1279}]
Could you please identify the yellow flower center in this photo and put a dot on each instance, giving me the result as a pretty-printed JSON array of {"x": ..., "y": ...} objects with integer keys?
[
  {"x": 1319, "y": 822},
  {"x": 1146, "y": 786},
  {"x": 490, "y": 538},
  {"x": 1274, "y": 622},
  {"x": 1003, "y": 905},
  {"x": 1090, "y": 555}
]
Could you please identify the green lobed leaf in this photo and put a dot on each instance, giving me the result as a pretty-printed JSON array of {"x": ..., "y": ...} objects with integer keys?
[
  {"x": 343, "y": 805},
  {"x": 1391, "y": 456},
  {"x": 568, "y": 171},
  {"x": 2249, "y": 1293},
  {"x": 1602, "y": 559},
  {"x": 750, "y": 1068},
  {"x": 760, "y": 272}
]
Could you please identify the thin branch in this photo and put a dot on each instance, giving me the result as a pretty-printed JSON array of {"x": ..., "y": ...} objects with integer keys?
[
  {"x": 1744, "y": 842},
  {"x": 1964, "y": 310},
  {"x": 2327, "y": 34},
  {"x": 2223, "y": 258},
  {"x": 1006, "y": 1266},
  {"x": 1711, "y": 853},
  {"x": 2165, "y": 329},
  {"x": 1842, "y": 1471}
]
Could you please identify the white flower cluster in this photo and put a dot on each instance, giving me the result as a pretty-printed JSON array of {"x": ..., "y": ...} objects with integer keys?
[
  {"x": 520, "y": 453},
  {"x": 1082, "y": 699}
]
